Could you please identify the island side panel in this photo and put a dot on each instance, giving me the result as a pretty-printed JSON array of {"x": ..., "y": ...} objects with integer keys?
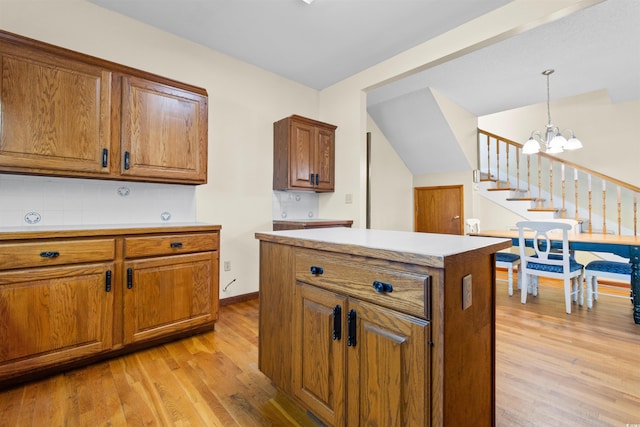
[
  {"x": 469, "y": 341},
  {"x": 277, "y": 281}
]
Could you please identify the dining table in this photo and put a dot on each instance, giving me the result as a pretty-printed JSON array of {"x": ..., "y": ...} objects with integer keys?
[{"x": 626, "y": 246}]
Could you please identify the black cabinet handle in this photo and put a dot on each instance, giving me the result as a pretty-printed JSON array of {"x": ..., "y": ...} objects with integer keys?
[
  {"x": 105, "y": 157},
  {"x": 107, "y": 281},
  {"x": 50, "y": 254},
  {"x": 311, "y": 178},
  {"x": 129, "y": 278},
  {"x": 337, "y": 322},
  {"x": 317, "y": 178},
  {"x": 126, "y": 160},
  {"x": 351, "y": 326},
  {"x": 316, "y": 270},
  {"x": 176, "y": 244},
  {"x": 381, "y": 287}
]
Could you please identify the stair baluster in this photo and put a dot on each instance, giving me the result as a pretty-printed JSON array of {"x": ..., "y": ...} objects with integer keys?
[{"x": 575, "y": 179}]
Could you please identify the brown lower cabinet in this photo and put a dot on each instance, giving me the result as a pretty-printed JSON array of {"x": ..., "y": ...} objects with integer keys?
[
  {"x": 71, "y": 297},
  {"x": 363, "y": 334},
  {"x": 386, "y": 360}
]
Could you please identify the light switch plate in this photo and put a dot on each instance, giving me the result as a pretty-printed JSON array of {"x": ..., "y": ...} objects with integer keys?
[{"x": 466, "y": 291}]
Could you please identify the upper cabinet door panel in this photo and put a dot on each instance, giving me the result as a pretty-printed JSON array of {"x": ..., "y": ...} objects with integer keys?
[
  {"x": 302, "y": 141},
  {"x": 325, "y": 159},
  {"x": 164, "y": 132},
  {"x": 55, "y": 113}
]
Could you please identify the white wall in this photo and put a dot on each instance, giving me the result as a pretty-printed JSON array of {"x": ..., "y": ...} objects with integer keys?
[
  {"x": 391, "y": 185},
  {"x": 244, "y": 101},
  {"x": 344, "y": 103}
]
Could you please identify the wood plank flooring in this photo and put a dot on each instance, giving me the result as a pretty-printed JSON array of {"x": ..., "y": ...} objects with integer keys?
[{"x": 552, "y": 370}]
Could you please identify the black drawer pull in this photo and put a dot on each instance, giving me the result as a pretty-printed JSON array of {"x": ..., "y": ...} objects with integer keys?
[
  {"x": 381, "y": 287},
  {"x": 337, "y": 322},
  {"x": 107, "y": 281},
  {"x": 176, "y": 244},
  {"x": 105, "y": 157},
  {"x": 316, "y": 270},
  {"x": 352, "y": 327},
  {"x": 129, "y": 278},
  {"x": 50, "y": 254},
  {"x": 126, "y": 160}
]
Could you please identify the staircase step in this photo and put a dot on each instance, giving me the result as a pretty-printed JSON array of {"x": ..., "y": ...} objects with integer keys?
[
  {"x": 501, "y": 189},
  {"x": 525, "y": 199},
  {"x": 545, "y": 209}
]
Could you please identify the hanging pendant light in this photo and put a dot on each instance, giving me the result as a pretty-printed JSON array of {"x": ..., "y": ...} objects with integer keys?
[{"x": 551, "y": 141}]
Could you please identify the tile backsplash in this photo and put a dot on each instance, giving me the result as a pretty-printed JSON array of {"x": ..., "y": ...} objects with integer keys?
[
  {"x": 50, "y": 201},
  {"x": 295, "y": 205}
]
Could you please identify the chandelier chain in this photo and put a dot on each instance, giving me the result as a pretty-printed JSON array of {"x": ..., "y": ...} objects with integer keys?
[{"x": 548, "y": 105}]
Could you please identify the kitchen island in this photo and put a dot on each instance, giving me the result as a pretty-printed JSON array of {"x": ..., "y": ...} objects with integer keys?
[{"x": 380, "y": 327}]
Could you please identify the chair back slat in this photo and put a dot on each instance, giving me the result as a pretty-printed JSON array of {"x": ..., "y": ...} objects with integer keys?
[{"x": 544, "y": 250}]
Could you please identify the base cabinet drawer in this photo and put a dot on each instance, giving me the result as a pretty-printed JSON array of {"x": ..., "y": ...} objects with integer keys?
[
  {"x": 55, "y": 252},
  {"x": 145, "y": 246},
  {"x": 357, "y": 277}
]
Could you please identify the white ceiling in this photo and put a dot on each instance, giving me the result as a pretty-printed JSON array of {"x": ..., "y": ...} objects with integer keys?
[
  {"x": 324, "y": 42},
  {"x": 316, "y": 44}
]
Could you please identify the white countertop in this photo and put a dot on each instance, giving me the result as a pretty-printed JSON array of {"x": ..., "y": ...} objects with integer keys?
[
  {"x": 31, "y": 231},
  {"x": 401, "y": 243},
  {"x": 38, "y": 228}
]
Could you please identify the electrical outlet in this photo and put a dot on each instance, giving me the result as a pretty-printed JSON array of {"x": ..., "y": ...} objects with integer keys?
[{"x": 227, "y": 266}]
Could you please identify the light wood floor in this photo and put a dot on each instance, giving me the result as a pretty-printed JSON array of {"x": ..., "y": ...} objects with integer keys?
[{"x": 552, "y": 370}]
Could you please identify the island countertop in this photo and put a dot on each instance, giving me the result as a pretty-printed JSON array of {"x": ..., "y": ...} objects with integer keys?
[{"x": 418, "y": 248}]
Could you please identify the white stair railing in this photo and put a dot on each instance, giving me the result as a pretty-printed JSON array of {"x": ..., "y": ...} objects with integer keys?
[{"x": 603, "y": 204}]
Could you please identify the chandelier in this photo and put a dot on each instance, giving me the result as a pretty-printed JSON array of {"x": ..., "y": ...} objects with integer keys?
[{"x": 551, "y": 141}]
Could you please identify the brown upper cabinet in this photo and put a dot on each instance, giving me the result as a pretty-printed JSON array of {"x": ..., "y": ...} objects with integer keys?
[
  {"x": 68, "y": 114},
  {"x": 303, "y": 155}
]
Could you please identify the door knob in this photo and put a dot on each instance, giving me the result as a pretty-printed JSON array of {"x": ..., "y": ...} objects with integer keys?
[{"x": 456, "y": 217}]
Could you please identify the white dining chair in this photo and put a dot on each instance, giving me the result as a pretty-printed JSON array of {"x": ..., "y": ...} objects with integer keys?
[
  {"x": 511, "y": 262},
  {"x": 607, "y": 269},
  {"x": 545, "y": 262}
]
